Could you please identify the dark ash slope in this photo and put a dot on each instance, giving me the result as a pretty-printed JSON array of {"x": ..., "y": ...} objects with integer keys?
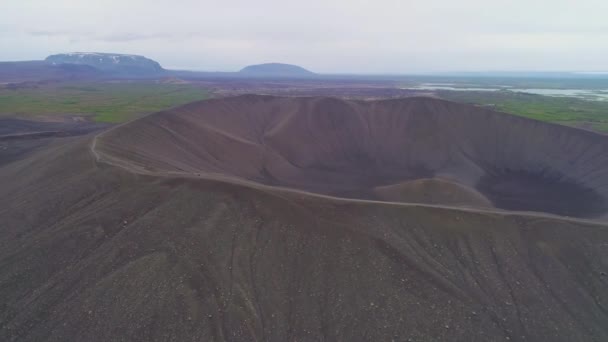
[
  {"x": 92, "y": 252},
  {"x": 371, "y": 150},
  {"x": 19, "y": 138}
]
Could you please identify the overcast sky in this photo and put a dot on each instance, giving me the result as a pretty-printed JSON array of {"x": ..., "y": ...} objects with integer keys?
[{"x": 329, "y": 36}]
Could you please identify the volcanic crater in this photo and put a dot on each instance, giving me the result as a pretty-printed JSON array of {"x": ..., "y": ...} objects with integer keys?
[
  {"x": 258, "y": 218},
  {"x": 412, "y": 150}
]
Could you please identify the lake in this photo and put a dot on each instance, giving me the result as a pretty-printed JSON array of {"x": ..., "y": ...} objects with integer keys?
[{"x": 587, "y": 94}]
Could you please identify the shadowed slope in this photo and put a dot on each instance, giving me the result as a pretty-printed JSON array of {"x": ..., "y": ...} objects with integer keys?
[
  {"x": 348, "y": 148},
  {"x": 92, "y": 252}
]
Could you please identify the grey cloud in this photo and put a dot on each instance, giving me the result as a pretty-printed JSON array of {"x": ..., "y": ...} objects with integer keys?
[
  {"x": 325, "y": 35},
  {"x": 112, "y": 37}
]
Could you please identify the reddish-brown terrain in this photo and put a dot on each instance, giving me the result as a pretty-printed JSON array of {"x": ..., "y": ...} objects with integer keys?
[{"x": 260, "y": 218}]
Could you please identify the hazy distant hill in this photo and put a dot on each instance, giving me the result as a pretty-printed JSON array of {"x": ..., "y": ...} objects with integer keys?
[
  {"x": 109, "y": 62},
  {"x": 276, "y": 70}
]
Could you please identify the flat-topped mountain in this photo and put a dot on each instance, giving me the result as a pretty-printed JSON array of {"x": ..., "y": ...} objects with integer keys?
[
  {"x": 112, "y": 62},
  {"x": 276, "y": 70}
]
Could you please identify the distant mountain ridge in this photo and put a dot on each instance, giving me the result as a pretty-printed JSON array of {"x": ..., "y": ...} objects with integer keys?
[
  {"x": 109, "y": 62},
  {"x": 276, "y": 69}
]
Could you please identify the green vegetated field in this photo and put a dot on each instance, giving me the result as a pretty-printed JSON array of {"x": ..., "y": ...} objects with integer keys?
[
  {"x": 104, "y": 102},
  {"x": 562, "y": 110}
]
